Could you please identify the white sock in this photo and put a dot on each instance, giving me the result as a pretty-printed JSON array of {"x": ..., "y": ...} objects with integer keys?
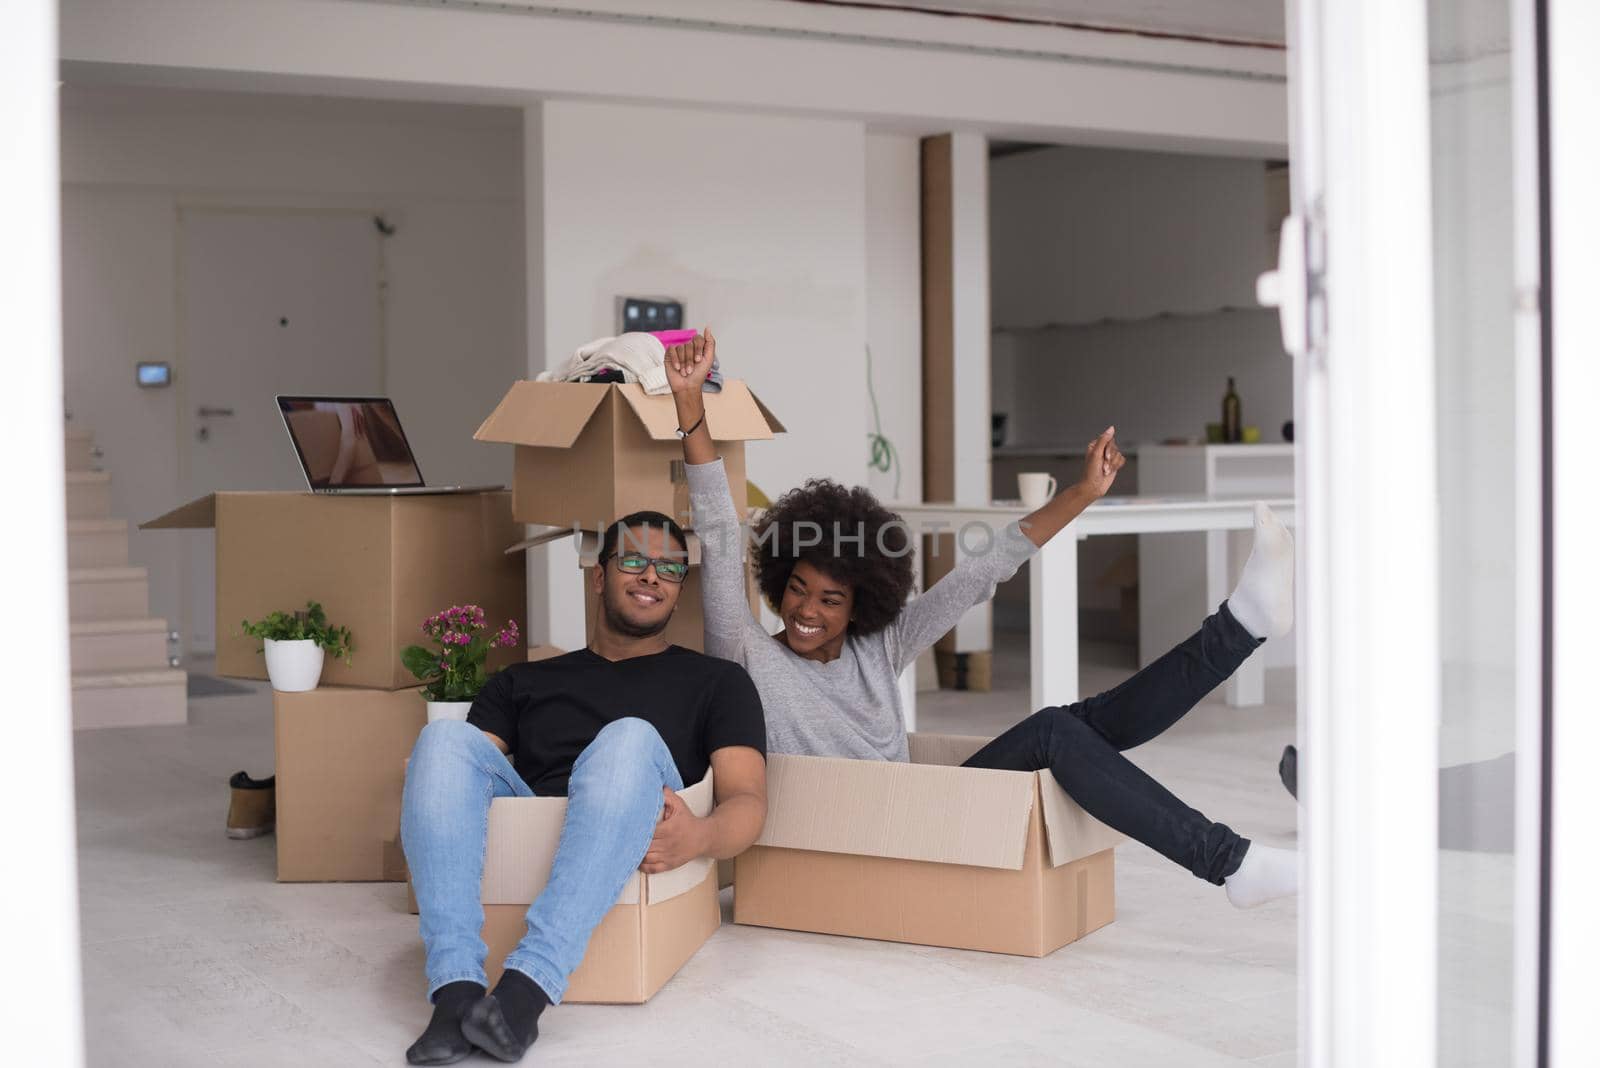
[
  {"x": 1263, "y": 602},
  {"x": 1267, "y": 873}
]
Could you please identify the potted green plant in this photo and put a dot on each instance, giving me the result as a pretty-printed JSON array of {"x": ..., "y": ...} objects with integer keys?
[
  {"x": 454, "y": 673},
  {"x": 295, "y": 644}
]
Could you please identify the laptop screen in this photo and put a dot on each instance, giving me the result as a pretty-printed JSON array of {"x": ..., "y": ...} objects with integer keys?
[{"x": 349, "y": 442}]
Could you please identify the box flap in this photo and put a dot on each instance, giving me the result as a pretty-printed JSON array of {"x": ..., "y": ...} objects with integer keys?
[
  {"x": 682, "y": 879},
  {"x": 542, "y": 536},
  {"x": 198, "y": 514},
  {"x": 732, "y": 415},
  {"x": 589, "y": 549},
  {"x": 523, "y": 834},
  {"x": 946, "y": 750},
  {"x": 547, "y": 414},
  {"x": 766, "y": 413},
  {"x": 973, "y": 816},
  {"x": 1072, "y": 833}
]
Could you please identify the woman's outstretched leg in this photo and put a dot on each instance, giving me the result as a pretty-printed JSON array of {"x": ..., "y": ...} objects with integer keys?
[
  {"x": 1118, "y": 793},
  {"x": 1260, "y": 607}
]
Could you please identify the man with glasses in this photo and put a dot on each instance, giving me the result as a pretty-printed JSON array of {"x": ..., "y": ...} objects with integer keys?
[{"x": 618, "y": 728}]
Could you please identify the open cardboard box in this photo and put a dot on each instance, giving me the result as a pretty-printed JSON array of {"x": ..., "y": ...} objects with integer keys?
[
  {"x": 926, "y": 852},
  {"x": 341, "y": 756},
  {"x": 588, "y": 453},
  {"x": 656, "y": 925},
  {"x": 378, "y": 565}
]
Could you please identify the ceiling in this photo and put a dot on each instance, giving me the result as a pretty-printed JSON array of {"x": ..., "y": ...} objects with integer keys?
[{"x": 1252, "y": 20}]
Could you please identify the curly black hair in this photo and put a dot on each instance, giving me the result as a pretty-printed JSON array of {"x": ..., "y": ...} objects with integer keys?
[{"x": 848, "y": 536}]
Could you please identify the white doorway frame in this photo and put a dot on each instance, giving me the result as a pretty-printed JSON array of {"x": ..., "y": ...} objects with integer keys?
[{"x": 41, "y": 991}]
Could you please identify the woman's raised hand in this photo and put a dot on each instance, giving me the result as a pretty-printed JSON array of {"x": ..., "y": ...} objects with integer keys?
[
  {"x": 688, "y": 362},
  {"x": 1102, "y": 462}
]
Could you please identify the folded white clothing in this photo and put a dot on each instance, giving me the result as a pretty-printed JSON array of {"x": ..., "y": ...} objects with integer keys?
[{"x": 639, "y": 356}]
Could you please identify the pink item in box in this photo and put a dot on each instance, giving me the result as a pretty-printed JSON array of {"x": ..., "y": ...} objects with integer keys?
[{"x": 670, "y": 338}]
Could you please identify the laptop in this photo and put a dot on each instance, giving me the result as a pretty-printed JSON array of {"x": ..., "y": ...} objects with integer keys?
[{"x": 355, "y": 445}]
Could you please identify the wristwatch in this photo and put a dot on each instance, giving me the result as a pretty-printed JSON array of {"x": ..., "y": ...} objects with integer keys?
[{"x": 682, "y": 433}]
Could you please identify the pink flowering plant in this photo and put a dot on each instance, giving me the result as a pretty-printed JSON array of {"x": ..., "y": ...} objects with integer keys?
[{"x": 455, "y": 672}]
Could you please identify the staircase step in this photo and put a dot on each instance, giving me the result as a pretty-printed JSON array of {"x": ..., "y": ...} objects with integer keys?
[
  {"x": 116, "y": 645},
  {"x": 108, "y": 593},
  {"x": 88, "y": 495},
  {"x": 130, "y": 698},
  {"x": 79, "y": 450},
  {"x": 97, "y": 543}
]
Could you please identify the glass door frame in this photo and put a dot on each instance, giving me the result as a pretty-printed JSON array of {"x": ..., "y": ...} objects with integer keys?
[
  {"x": 1364, "y": 386},
  {"x": 1569, "y": 147},
  {"x": 1361, "y": 328}
]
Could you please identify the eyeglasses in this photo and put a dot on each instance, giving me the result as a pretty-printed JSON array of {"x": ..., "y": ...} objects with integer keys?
[{"x": 666, "y": 570}]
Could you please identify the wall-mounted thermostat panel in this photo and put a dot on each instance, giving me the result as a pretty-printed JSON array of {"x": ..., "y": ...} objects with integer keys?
[
  {"x": 649, "y": 313},
  {"x": 154, "y": 375}
]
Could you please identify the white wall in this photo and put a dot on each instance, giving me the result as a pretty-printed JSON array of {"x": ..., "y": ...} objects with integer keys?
[
  {"x": 448, "y": 177},
  {"x": 1083, "y": 234},
  {"x": 894, "y": 306},
  {"x": 757, "y": 223},
  {"x": 1124, "y": 293},
  {"x": 1154, "y": 379}
]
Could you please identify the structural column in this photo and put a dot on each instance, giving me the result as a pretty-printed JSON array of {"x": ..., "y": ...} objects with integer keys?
[{"x": 955, "y": 356}]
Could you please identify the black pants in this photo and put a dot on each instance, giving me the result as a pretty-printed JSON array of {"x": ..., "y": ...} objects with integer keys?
[{"x": 1082, "y": 746}]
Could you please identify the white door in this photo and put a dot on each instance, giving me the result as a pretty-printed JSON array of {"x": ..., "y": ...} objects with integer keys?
[
  {"x": 272, "y": 301},
  {"x": 1411, "y": 301}
]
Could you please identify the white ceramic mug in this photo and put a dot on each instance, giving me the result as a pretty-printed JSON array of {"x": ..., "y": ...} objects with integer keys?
[{"x": 1035, "y": 488}]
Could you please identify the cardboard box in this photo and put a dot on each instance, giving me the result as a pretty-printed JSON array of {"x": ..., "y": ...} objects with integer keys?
[
  {"x": 378, "y": 565},
  {"x": 656, "y": 925},
  {"x": 926, "y": 852},
  {"x": 588, "y": 453},
  {"x": 341, "y": 770}
]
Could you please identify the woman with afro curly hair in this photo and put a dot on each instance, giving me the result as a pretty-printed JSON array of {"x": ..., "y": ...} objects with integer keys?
[{"x": 835, "y": 565}]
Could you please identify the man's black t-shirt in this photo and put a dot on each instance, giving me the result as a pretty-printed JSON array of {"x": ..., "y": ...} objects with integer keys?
[{"x": 550, "y": 710}]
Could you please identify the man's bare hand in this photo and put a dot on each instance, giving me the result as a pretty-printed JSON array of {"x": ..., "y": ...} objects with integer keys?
[
  {"x": 1101, "y": 463},
  {"x": 680, "y": 836},
  {"x": 688, "y": 362}
]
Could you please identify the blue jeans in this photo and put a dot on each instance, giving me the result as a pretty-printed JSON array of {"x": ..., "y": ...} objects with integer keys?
[{"x": 613, "y": 804}]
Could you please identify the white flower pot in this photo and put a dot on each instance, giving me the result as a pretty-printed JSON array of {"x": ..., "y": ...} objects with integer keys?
[
  {"x": 294, "y": 666},
  {"x": 448, "y": 710}
]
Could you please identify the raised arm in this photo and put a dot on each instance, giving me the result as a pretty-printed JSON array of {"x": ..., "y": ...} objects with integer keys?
[
  {"x": 716, "y": 523},
  {"x": 927, "y": 617},
  {"x": 1102, "y": 460}
]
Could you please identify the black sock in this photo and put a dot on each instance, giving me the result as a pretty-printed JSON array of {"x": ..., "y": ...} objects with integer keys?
[
  {"x": 442, "y": 1042},
  {"x": 506, "y": 1022}
]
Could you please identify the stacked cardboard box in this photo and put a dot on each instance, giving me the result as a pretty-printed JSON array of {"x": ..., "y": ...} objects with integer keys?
[{"x": 380, "y": 566}]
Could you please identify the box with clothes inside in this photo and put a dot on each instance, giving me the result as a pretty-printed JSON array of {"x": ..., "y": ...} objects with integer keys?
[{"x": 588, "y": 453}]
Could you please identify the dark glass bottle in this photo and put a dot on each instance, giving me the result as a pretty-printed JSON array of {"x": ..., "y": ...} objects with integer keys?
[{"x": 1232, "y": 425}]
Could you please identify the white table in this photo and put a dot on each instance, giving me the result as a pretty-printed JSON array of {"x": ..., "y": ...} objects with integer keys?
[{"x": 1053, "y": 575}]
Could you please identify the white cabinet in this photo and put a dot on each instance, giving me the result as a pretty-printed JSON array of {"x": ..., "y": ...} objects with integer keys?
[{"x": 1183, "y": 577}]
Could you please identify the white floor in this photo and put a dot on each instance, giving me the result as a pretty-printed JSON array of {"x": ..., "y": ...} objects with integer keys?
[{"x": 193, "y": 955}]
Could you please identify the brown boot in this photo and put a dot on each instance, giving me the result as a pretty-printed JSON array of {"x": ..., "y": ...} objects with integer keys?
[{"x": 253, "y": 809}]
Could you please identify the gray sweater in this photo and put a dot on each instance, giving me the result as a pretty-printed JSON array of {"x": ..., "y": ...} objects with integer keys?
[{"x": 850, "y": 706}]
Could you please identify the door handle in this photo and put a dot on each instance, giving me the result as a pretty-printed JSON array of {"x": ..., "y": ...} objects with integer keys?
[{"x": 206, "y": 412}]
